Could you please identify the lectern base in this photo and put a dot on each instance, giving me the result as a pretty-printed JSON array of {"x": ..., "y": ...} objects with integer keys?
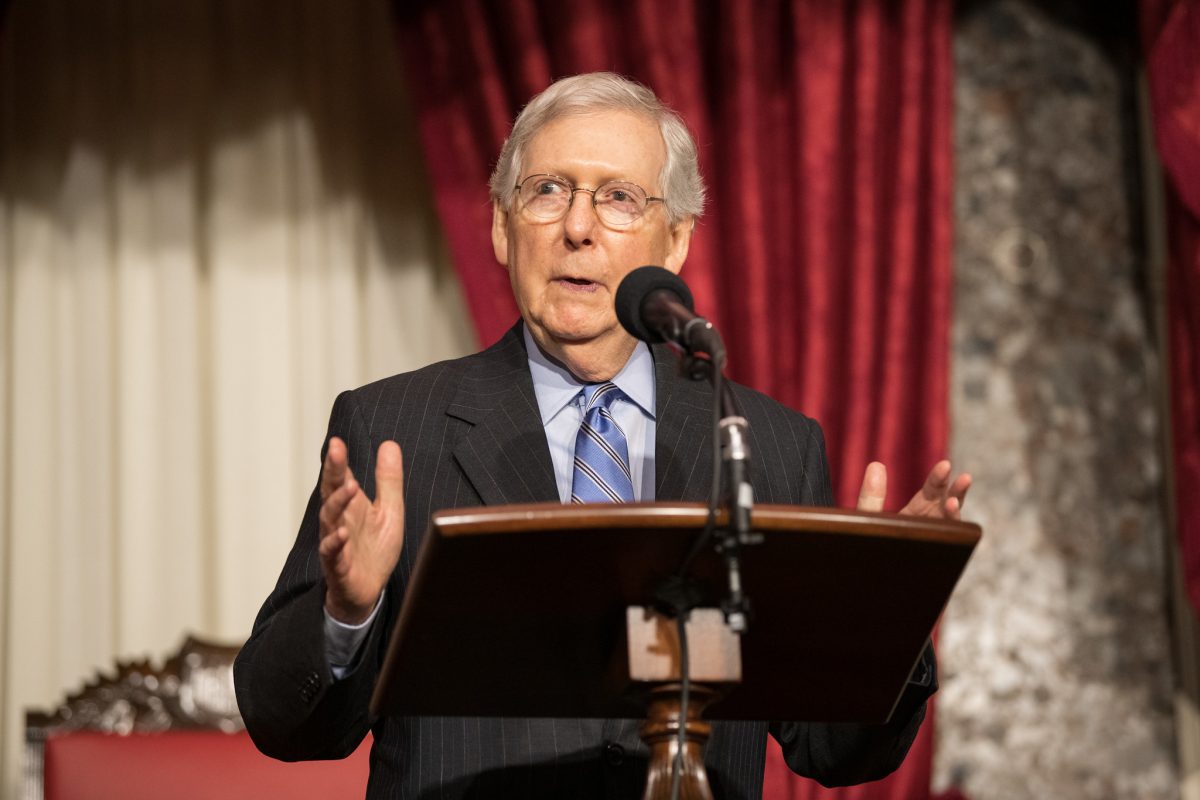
[{"x": 660, "y": 732}]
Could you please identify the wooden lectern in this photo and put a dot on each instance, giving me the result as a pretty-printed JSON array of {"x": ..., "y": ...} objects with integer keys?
[{"x": 541, "y": 610}]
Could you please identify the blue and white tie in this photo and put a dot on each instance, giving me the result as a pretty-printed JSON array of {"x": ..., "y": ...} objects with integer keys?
[{"x": 601, "y": 452}]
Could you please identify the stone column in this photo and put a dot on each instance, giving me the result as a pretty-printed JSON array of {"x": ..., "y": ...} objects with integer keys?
[{"x": 1055, "y": 651}]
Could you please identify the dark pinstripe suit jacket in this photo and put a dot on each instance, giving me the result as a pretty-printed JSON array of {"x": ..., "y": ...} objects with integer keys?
[{"x": 471, "y": 434}]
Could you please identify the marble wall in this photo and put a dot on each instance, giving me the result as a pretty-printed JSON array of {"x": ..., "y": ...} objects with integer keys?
[{"x": 1055, "y": 649}]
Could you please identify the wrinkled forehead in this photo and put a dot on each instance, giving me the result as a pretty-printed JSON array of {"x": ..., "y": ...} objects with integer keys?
[{"x": 609, "y": 143}]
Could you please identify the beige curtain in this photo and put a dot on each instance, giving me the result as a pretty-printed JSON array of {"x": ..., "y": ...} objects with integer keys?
[{"x": 214, "y": 217}]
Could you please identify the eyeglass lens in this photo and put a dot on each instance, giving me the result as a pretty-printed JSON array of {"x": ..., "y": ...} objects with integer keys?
[{"x": 617, "y": 202}]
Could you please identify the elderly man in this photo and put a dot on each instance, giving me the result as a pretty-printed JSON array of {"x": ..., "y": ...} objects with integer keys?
[{"x": 597, "y": 178}]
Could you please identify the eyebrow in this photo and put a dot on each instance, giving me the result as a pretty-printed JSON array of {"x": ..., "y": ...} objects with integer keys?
[{"x": 597, "y": 184}]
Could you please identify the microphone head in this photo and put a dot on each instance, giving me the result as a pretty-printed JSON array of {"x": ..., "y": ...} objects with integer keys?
[{"x": 637, "y": 287}]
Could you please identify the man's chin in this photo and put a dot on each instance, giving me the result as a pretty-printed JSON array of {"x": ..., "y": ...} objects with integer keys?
[
  {"x": 573, "y": 336},
  {"x": 576, "y": 331}
]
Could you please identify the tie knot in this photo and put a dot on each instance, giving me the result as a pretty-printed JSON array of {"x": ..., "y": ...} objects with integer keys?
[{"x": 600, "y": 395}]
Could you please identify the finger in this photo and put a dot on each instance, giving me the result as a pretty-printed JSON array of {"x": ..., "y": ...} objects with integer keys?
[
  {"x": 936, "y": 481},
  {"x": 389, "y": 478},
  {"x": 333, "y": 544},
  {"x": 874, "y": 488},
  {"x": 334, "y": 507},
  {"x": 952, "y": 508},
  {"x": 335, "y": 467},
  {"x": 960, "y": 487}
]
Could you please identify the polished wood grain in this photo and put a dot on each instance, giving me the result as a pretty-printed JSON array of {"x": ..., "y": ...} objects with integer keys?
[
  {"x": 660, "y": 732},
  {"x": 536, "y": 517}
]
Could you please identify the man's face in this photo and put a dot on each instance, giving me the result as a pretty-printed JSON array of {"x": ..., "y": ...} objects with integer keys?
[{"x": 565, "y": 273}]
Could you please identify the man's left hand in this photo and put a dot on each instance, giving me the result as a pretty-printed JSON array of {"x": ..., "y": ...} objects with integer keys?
[{"x": 940, "y": 497}]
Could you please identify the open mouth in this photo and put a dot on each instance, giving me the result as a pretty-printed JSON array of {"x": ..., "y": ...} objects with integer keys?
[{"x": 581, "y": 283}]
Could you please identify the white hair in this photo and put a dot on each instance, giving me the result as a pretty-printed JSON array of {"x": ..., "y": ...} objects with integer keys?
[{"x": 681, "y": 185}]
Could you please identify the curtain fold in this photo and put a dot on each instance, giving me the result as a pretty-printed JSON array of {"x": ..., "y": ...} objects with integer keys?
[
  {"x": 1171, "y": 39},
  {"x": 825, "y": 257}
]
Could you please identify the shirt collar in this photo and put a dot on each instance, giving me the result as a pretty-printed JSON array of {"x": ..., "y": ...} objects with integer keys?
[{"x": 555, "y": 387}]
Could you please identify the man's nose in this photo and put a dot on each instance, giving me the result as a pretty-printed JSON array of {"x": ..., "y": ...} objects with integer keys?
[{"x": 581, "y": 219}]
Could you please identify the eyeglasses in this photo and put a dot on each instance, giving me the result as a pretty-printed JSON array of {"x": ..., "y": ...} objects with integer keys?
[{"x": 617, "y": 203}]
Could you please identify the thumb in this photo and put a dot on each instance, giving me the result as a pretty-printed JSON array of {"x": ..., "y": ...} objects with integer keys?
[
  {"x": 874, "y": 488},
  {"x": 389, "y": 476}
]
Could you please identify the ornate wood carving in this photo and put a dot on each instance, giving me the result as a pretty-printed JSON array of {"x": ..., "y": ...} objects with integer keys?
[{"x": 193, "y": 689}]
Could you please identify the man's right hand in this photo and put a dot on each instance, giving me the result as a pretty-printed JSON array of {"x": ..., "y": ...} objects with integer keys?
[{"x": 360, "y": 540}]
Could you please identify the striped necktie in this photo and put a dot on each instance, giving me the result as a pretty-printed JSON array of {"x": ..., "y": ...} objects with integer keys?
[{"x": 601, "y": 452}]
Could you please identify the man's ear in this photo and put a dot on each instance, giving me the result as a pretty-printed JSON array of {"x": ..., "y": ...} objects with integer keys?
[
  {"x": 678, "y": 244},
  {"x": 500, "y": 232}
]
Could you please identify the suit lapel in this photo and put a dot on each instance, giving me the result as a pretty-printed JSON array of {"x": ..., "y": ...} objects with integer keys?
[
  {"x": 504, "y": 455},
  {"x": 683, "y": 435}
]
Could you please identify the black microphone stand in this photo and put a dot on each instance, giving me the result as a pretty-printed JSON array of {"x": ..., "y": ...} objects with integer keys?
[
  {"x": 739, "y": 500},
  {"x": 731, "y": 481}
]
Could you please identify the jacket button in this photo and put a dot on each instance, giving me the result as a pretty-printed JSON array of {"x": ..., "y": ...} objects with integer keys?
[
  {"x": 614, "y": 754},
  {"x": 310, "y": 687}
]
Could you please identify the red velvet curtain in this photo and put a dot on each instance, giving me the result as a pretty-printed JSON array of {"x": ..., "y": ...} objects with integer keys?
[
  {"x": 825, "y": 257},
  {"x": 1171, "y": 36}
]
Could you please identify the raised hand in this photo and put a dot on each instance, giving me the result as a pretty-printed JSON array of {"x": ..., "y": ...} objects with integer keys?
[
  {"x": 360, "y": 540},
  {"x": 940, "y": 497}
]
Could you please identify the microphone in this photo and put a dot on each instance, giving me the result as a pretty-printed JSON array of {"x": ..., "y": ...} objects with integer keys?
[{"x": 655, "y": 305}]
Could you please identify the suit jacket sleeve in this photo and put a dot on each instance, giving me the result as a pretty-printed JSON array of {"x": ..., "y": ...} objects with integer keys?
[{"x": 292, "y": 707}]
